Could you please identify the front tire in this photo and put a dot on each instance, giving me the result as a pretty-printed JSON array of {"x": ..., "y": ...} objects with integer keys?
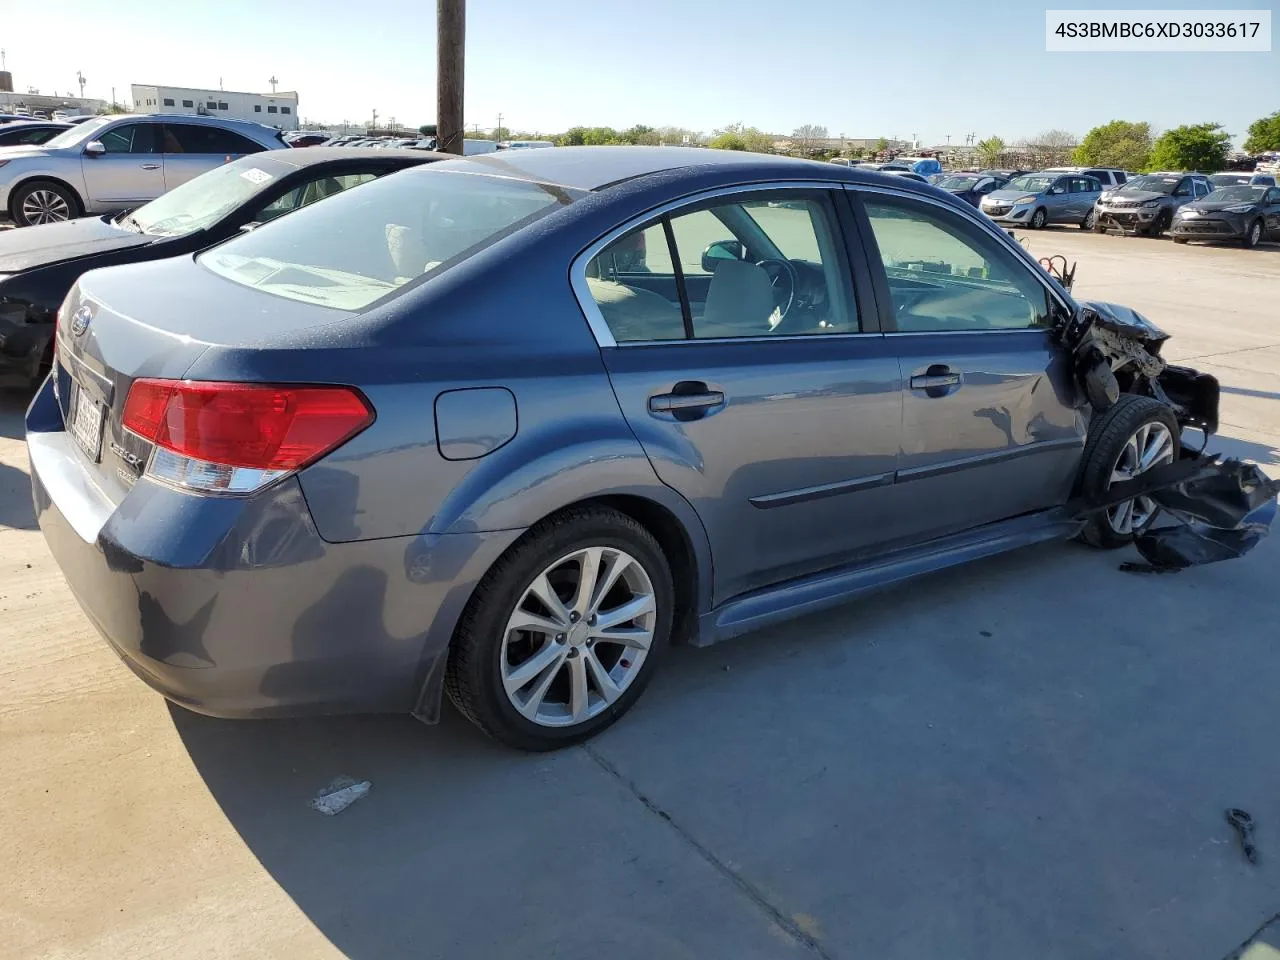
[
  {"x": 1254, "y": 236},
  {"x": 1134, "y": 435},
  {"x": 1039, "y": 219},
  {"x": 1162, "y": 222},
  {"x": 43, "y": 201},
  {"x": 1090, "y": 221},
  {"x": 564, "y": 632}
]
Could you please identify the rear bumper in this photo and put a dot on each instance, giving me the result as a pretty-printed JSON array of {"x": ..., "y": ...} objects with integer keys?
[{"x": 237, "y": 608}]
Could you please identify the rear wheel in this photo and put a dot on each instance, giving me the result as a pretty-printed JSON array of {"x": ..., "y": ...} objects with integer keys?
[
  {"x": 1254, "y": 235},
  {"x": 1134, "y": 435},
  {"x": 564, "y": 632},
  {"x": 1039, "y": 219},
  {"x": 43, "y": 201}
]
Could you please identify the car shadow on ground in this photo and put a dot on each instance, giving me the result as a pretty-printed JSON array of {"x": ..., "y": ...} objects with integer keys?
[{"x": 16, "y": 510}]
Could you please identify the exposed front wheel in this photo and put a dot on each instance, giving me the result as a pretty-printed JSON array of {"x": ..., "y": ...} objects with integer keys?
[
  {"x": 565, "y": 631},
  {"x": 1254, "y": 236},
  {"x": 42, "y": 201},
  {"x": 1134, "y": 435},
  {"x": 1162, "y": 222},
  {"x": 1039, "y": 219},
  {"x": 1090, "y": 221}
]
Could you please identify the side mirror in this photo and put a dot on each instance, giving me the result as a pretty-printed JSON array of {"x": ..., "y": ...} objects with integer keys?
[
  {"x": 1056, "y": 191},
  {"x": 719, "y": 251},
  {"x": 250, "y": 227},
  {"x": 94, "y": 148}
]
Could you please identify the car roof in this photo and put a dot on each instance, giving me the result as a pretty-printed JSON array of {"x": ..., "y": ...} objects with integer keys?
[
  {"x": 312, "y": 156},
  {"x": 594, "y": 168},
  {"x": 28, "y": 124},
  {"x": 193, "y": 118}
]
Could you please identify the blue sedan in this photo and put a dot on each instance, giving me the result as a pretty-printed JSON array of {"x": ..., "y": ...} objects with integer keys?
[{"x": 503, "y": 428}]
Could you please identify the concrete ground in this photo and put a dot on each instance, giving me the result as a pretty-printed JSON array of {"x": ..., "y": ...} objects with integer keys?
[{"x": 1026, "y": 757}]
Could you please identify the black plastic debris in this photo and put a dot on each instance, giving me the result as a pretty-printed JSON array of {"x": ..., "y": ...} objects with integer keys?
[{"x": 1213, "y": 509}]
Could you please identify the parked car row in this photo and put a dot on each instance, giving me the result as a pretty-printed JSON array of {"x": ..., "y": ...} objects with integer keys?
[
  {"x": 38, "y": 266},
  {"x": 1243, "y": 207},
  {"x": 112, "y": 163}
]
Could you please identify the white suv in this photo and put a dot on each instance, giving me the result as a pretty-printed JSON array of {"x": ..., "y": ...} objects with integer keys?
[{"x": 114, "y": 163}]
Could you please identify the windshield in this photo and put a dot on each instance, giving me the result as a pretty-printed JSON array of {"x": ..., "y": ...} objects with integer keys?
[
  {"x": 1151, "y": 184},
  {"x": 959, "y": 183},
  {"x": 1031, "y": 184},
  {"x": 1240, "y": 194},
  {"x": 206, "y": 199},
  {"x": 80, "y": 133},
  {"x": 361, "y": 245}
]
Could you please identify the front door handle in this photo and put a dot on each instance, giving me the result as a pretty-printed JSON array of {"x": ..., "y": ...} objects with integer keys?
[
  {"x": 688, "y": 400},
  {"x": 151, "y": 166},
  {"x": 670, "y": 402}
]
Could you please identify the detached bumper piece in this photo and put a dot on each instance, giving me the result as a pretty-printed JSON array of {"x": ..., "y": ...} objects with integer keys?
[{"x": 1220, "y": 510}]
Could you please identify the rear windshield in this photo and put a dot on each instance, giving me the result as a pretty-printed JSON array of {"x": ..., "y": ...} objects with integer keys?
[{"x": 361, "y": 245}]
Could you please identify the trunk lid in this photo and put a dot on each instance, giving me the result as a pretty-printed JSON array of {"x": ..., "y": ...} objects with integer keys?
[
  {"x": 57, "y": 242},
  {"x": 152, "y": 320}
]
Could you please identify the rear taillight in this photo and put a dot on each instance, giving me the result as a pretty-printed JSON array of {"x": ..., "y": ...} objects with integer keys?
[{"x": 238, "y": 437}]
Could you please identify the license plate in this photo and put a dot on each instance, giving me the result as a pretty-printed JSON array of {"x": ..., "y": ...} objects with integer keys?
[{"x": 86, "y": 423}]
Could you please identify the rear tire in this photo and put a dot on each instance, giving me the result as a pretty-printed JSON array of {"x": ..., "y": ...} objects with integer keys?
[
  {"x": 43, "y": 201},
  {"x": 551, "y": 561},
  {"x": 1106, "y": 460},
  {"x": 1039, "y": 219}
]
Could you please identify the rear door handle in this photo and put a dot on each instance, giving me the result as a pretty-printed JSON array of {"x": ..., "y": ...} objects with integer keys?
[
  {"x": 151, "y": 166},
  {"x": 929, "y": 380},
  {"x": 938, "y": 380}
]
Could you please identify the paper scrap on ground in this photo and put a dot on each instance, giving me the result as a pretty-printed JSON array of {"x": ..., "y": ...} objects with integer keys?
[{"x": 339, "y": 795}]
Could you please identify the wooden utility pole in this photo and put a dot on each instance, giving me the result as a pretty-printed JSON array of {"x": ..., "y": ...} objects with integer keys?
[{"x": 451, "y": 28}]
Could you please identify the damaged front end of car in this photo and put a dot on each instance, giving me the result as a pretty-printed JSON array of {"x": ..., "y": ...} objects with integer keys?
[{"x": 1213, "y": 508}]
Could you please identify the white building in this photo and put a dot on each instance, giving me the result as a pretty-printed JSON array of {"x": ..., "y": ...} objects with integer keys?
[{"x": 273, "y": 109}]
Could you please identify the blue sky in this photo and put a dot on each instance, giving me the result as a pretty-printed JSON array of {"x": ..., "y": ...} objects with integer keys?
[{"x": 923, "y": 67}]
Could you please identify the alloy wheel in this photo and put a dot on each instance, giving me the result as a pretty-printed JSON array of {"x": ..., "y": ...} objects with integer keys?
[
  {"x": 45, "y": 206},
  {"x": 1150, "y": 445},
  {"x": 1255, "y": 234},
  {"x": 578, "y": 636}
]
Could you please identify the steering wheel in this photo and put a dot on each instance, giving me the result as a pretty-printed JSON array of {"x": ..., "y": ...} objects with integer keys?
[{"x": 783, "y": 279}]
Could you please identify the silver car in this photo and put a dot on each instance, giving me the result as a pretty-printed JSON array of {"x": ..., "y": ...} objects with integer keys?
[
  {"x": 113, "y": 163},
  {"x": 1039, "y": 199}
]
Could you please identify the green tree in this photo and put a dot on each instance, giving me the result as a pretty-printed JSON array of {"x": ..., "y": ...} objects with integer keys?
[
  {"x": 1197, "y": 146},
  {"x": 640, "y": 134},
  {"x": 729, "y": 140},
  {"x": 881, "y": 146},
  {"x": 427, "y": 129},
  {"x": 1120, "y": 143},
  {"x": 1264, "y": 134},
  {"x": 989, "y": 151}
]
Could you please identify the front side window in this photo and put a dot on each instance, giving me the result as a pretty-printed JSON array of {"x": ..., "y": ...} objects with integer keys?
[
  {"x": 129, "y": 138},
  {"x": 947, "y": 275},
  {"x": 753, "y": 267},
  {"x": 363, "y": 245}
]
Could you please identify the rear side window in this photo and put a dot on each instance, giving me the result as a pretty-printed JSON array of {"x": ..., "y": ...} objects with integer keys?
[
  {"x": 362, "y": 245},
  {"x": 197, "y": 138}
]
